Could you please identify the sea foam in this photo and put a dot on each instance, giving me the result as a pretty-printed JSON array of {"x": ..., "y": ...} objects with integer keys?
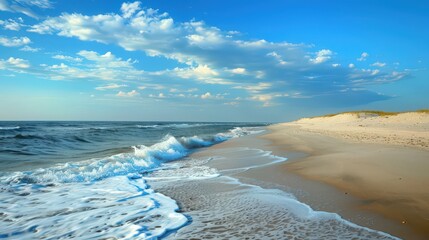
[
  {"x": 116, "y": 207},
  {"x": 100, "y": 198}
]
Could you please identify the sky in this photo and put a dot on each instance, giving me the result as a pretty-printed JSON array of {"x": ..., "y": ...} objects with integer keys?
[{"x": 194, "y": 60}]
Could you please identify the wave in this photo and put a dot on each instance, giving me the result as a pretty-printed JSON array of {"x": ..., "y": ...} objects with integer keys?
[
  {"x": 175, "y": 125},
  {"x": 104, "y": 197},
  {"x": 10, "y": 128},
  {"x": 143, "y": 159}
]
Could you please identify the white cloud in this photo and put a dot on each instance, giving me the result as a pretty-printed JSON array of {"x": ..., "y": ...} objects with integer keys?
[
  {"x": 322, "y": 56},
  {"x": 18, "y": 62},
  {"x": 132, "y": 93},
  {"x": 351, "y": 65},
  {"x": 14, "y": 42},
  {"x": 378, "y": 64},
  {"x": 14, "y": 63},
  {"x": 110, "y": 86},
  {"x": 238, "y": 71},
  {"x": 277, "y": 57},
  {"x": 204, "y": 70},
  {"x": 265, "y": 98},
  {"x": 204, "y": 37},
  {"x": 201, "y": 73},
  {"x": 336, "y": 65},
  {"x": 24, "y": 6},
  {"x": 29, "y": 49},
  {"x": 36, "y": 3},
  {"x": 210, "y": 55},
  {"x": 128, "y": 9},
  {"x": 97, "y": 66},
  {"x": 206, "y": 95},
  {"x": 67, "y": 58},
  {"x": 12, "y": 24},
  {"x": 363, "y": 57},
  {"x": 255, "y": 88},
  {"x": 159, "y": 95},
  {"x": 375, "y": 72}
]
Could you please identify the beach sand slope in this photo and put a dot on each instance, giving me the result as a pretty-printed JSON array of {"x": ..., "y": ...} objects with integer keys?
[{"x": 381, "y": 159}]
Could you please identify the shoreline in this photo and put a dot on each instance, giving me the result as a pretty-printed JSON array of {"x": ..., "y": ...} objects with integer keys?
[
  {"x": 254, "y": 192},
  {"x": 317, "y": 194}
]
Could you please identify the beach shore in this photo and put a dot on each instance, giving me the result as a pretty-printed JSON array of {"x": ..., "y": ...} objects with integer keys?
[{"x": 380, "y": 162}]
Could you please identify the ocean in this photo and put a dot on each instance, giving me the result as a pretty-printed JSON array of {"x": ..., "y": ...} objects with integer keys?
[
  {"x": 148, "y": 180},
  {"x": 84, "y": 179}
]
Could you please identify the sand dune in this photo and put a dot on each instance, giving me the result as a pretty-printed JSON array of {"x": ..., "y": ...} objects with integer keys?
[{"x": 409, "y": 129}]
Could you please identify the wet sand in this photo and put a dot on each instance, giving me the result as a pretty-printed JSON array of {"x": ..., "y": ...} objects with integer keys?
[{"x": 251, "y": 198}]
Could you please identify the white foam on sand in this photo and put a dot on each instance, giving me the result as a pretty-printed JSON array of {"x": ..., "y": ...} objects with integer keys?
[
  {"x": 225, "y": 207},
  {"x": 117, "y": 207}
]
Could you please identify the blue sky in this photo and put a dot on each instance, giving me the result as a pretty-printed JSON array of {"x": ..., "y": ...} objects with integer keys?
[{"x": 210, "y": 60}]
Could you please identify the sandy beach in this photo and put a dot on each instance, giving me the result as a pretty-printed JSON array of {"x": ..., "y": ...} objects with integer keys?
[{"x": 382, "y": 161}]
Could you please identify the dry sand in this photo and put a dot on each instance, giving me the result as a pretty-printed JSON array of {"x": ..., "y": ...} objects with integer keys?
[{"x": 381, "y": 160}]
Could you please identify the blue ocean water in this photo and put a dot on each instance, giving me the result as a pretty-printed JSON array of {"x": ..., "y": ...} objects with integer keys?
[
  {"x": 26, "y": 145},
  {"x": 84, "y": 179}
]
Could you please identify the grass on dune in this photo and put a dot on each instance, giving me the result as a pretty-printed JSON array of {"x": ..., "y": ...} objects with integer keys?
[{"x": 375, "y": 112}]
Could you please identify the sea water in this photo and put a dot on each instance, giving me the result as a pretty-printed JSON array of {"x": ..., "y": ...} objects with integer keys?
[{"x": 84, "y": 179}]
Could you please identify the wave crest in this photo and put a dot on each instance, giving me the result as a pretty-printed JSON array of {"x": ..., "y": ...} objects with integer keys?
[{"x": 143, "y": 159}]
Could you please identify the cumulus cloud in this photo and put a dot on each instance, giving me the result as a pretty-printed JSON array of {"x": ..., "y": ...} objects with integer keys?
[
  {"x": 322, "y": 56},
  {"x": 206, "y": 95},
  {"x": 14, "y": 42},
  {"x": 12, "y": 24},
  {"x": 208, "y": 55},
  {"x": 132, "y": 93},
  {"x": 14, "y": 63},
  {"x": 128, "y": 9},
  {"x": 201, "y": 73},
  {"x": 363, "y": 57}
]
